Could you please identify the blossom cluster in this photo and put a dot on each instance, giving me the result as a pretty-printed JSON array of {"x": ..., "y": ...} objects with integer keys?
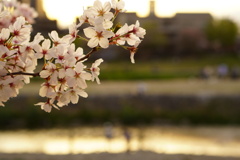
[
  {"x": 16, "y": 9},
  {"x": 64, "y": 71},
  {"x": 102, "y": 32},
  {"x": 16, "y": 56}
]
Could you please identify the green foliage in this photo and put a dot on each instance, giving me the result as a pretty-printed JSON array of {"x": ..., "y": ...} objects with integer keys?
[
  {"x": 223, "y": 31},
  {"x": 154, "y": 39}
]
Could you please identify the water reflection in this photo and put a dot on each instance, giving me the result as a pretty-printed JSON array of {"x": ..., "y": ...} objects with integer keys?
[{"x": 218, "y": 141}]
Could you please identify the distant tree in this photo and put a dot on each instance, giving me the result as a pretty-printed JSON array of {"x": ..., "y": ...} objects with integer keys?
[
  {"x": 155, "y": 41},
  {"x": 190, "y": 42},
  {"x": 222, "y": 33}
]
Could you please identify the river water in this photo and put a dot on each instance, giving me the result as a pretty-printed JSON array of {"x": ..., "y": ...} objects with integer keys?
[{"x": 216, "y": 141}]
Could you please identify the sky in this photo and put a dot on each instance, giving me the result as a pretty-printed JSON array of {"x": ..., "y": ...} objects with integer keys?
[{"x": 66, "y": 13}]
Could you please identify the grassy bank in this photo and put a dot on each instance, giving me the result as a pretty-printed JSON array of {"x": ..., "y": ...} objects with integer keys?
[
  {"x": 166, "y": 69},
  {"x": 125, "y": 109},
  {"x": 163, "y": 69}
]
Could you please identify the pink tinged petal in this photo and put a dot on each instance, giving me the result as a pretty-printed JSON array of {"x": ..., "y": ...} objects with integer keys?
[
  {"x": 137, "y": 24},
  {"x": 97, "y": 80},
  {"x": 97, "y": 5},
  {"x": 108, "y": 15},
  {"x": 54, "y": 78},
  {"x": 2, "y": 65},
  {"x": 132, "y": 57},
  {"x": 79, "y": 52},
  {"x": 89, "y": 32},
  {"x": 108, "y": 34},
  {"x": 61, "y": 73},
  {"x": 104, "y": 43},
  {"x": 70, "y": 72},
  {"x": 60, "y": 104},
  {"x": 98, "y": 62},
  {"x": 45, "y": 74},
  {"x": 48, "y": 56},
  {"x": 43, "y": 91},
  {"x": 37, "y": 48},
  {"x": 121, "y": 5},
  {"x": 74, "y": 98},
  {"x": 141, "y": 33},
  {"x": 5, "y": 33},
  {"x": 40, "y": 104},
  {"x": 83, "y": 94},
  {"x": 64, "y": 99},
  {"x": 46, "y": 44},
  {"x": 46, "y": 107},
  {"x": 98, "y": 23},
  {"x": 81, "y": 83},
  {"x": 55, "y": 106},
  {"x": 38, "y": 38},
  {"x": 132, "y": 40},
  {"x": 121, "y": 42},
  {"x": 18, "y": 23},
  {"x": 93, "y": 42},
  {"x": 79, "y": 67},
  {"x": 71, "y": 82},
  {"x": 86, "y": 76},
  {"x": 123, "y": 30},
  {"x": 54, "y": 35},
  {"x": 107, "y": 7},
  {"x": 107, "y": 24}
]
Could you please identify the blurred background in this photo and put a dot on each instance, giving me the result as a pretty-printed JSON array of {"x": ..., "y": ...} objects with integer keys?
[{"x": 181, "y": 97}]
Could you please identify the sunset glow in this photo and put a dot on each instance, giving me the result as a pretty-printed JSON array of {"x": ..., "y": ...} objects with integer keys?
[{"x": 66, "y": 13}]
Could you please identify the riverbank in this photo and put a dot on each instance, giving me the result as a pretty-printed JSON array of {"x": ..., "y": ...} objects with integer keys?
[
  {"x": 131, "y": 103},
  {"x": 140, "y": 155},
  {"x": 153, "y": 87}
]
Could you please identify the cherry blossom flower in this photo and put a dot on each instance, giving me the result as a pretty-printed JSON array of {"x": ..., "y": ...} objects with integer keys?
[
  {"x": 119, "y": 37},
  {"x": 101, "y": 10},
  {"x": 79, "y": 78},
  {"x": 51, "y": 72},
  {"x": 43, "y": 51},
  {"x": 73, "y": 31},
  {"x": 4, "y": 35},
  {"x": 47, "y": 106},
  {"x": 118, "y": 5},
  {"x": 20, "y": 31},
  {"x": 57, "y": 40},
  {"x": 72, "y": 95},
  {"x": 59, "y": 53},
  {"x": 78, "y": 54},
  {"x": 98, "y": 36},
  {"x": 137, "y": 30},
  {"x": 46, "y": 90},
  {"x": 96, "y": 70}
]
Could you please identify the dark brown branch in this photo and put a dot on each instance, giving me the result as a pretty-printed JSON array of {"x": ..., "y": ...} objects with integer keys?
[
  {"x": 22, "y": 73},
  {"x": 88, "y": 55}
]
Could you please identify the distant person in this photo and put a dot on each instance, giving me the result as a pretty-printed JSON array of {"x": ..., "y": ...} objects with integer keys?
[
  {"x": 235, "y": 73},
  {"x": 206, "y": 72},
  {"x": 108, "y": 132},
  {"x": 222, "y": 71},
  {"x": 141, "y": 89},
  {"x": 127, "y": 136}
]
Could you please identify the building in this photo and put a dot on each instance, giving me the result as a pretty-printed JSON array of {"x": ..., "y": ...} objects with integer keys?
[{"x": 179, "y": 31}]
